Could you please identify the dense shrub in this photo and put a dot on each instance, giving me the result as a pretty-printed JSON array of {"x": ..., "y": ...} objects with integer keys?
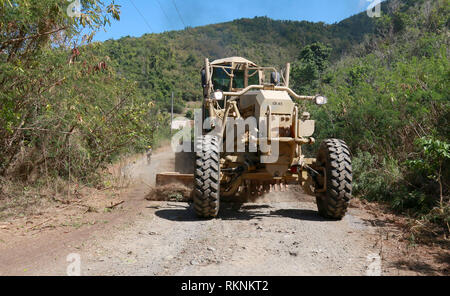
[
  {"x": 63, "y": 113},
  {"x": 390, "y": 101}
]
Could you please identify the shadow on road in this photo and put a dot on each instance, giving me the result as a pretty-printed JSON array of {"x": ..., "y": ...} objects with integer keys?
[{"x": 230, "y": 211}]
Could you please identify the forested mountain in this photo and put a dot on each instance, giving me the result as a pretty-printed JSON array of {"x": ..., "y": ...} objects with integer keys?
[{"x": 162, "y": 63}]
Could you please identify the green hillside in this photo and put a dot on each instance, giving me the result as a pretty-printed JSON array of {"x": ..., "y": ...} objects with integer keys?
[{"x": 162, "y": 63}]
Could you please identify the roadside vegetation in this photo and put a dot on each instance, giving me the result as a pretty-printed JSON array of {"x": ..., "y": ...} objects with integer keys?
[
  {"x": 65, "y": 113},
  {"x": 389, "y": 99}
]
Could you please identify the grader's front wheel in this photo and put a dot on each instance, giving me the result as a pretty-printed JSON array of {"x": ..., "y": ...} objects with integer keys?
[
  {"x": 334, "y": 155},
  {"x": 207, "y": 177}
]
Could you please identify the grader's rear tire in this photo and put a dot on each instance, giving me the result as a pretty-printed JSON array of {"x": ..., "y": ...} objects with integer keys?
[
  {"x": 207, "y": 177},
  {"x": 334, "y": 155}
]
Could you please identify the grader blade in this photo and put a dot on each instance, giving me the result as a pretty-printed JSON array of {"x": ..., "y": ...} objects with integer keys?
[{"x": 170, "y": 178}]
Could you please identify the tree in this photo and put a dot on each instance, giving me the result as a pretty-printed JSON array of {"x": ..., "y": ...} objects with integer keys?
[
  {"x": 28, "y": 26},
  {"x": 433, "y": 162},
  {"x": 312, "y": 61},
  {"x": 65, "y": 110},
  {"x": 190, "y": 114}
]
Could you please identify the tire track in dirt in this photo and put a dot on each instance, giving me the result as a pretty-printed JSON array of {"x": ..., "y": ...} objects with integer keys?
[
  {"x": 45, "y": 252},
  {"x": 282, "y": 237},
  {"x": 279, "y": 234}
]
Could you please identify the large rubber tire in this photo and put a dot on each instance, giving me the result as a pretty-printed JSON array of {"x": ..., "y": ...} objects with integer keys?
[
  {"x": 207, "y": 177},
  {"x": 334, "y": 155}
]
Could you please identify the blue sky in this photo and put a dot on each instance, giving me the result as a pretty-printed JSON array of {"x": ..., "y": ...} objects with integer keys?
[{"x": 155, "y": 16}]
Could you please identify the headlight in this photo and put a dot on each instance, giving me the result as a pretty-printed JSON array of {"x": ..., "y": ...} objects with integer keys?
[
  {"x": 321, "y": 100},
  {"x": 218, "y": 95}
]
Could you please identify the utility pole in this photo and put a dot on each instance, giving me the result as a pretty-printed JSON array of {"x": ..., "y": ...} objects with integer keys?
[{"x": 171, "y": 116}]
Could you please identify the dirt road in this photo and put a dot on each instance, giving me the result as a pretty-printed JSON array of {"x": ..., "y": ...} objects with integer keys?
[
  {"x": 280, "y": 234},
  {"x": 283, "y": 237}
]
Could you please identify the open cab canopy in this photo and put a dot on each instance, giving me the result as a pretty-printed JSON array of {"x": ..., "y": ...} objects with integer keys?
[{"x": 234, "y": 73}]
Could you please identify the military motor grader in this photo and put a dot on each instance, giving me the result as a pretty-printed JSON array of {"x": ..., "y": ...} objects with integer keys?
[{"x": 252, "y": 137}]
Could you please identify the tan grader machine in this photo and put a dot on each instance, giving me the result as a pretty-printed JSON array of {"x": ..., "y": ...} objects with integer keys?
[{"x": 251, "y": 142}]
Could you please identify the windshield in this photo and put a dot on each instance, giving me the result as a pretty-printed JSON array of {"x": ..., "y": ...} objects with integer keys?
[
  {"x": 221, "y": 80},
  {"x": 253, "y": 77},
  {"x": 238, "y": 80}
]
